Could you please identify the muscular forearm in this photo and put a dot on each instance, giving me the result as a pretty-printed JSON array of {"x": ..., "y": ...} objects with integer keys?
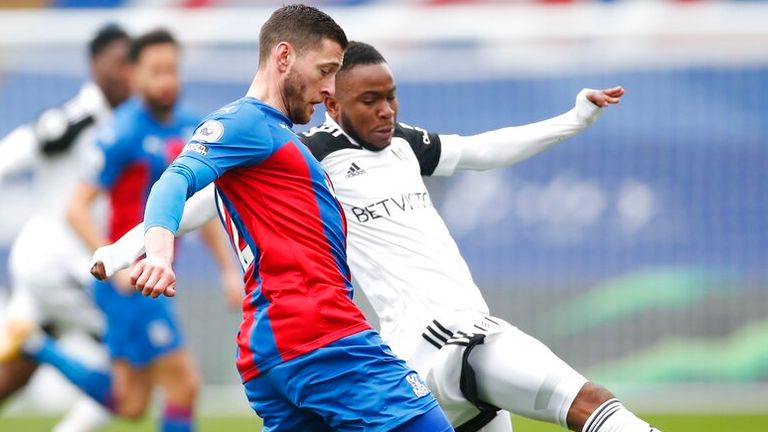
[
  {"x": 85, "y": 227},
  {"x": 154, "y": 274},
  {"x": 507, "y": 146},
  {"x": 80, "y": 218},
  {"x": 158, "y": 242},
  {"x": 200, "y": 208}
]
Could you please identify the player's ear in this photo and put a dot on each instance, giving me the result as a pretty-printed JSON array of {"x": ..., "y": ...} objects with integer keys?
[
  {"x": 133, "y": 80},
  {"x": 283, "y": 53},
  {"x": 331, "y": 105}
]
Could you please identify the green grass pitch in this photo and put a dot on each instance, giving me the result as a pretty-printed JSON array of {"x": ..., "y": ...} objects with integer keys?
[{"x": 666, "y": 422}]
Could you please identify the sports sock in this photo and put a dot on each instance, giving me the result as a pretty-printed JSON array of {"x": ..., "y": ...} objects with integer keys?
[
  {"x": 85, "y": 416},
  {"x": 176, "y": 419},
  {"x": 96, "y": 383},
  {"x": 611, "y": 416}
]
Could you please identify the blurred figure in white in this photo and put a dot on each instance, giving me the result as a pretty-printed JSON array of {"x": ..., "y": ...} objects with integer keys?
[{"x": 47, "y": 260}]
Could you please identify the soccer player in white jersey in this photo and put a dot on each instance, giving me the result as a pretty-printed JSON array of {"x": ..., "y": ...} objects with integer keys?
[
  {"x": 402, "y": 256},
  {"x": 46, "y": 259},
  {"x": 405, "y": 260}
]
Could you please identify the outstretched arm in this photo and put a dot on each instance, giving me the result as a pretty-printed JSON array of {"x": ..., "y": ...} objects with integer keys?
[
  {"x": 507, "y": 146},
  {"x": 154, "y": 274},
  {"x": 109, "y": 259},
  {"x": 79, "y": 215}
]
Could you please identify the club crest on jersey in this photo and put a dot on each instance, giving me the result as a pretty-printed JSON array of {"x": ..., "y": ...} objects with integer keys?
[
  {"x": 419, "y": 389},
  {"x": 209, "y": 131}
]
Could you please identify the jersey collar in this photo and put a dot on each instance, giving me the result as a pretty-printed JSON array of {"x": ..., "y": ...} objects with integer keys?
[{"x": 332, "y": 122}]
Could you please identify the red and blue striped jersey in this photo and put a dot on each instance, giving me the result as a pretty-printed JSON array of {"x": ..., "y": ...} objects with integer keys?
[
  {"x": 288, "y": 230},
  {"x": 136, "y": 149}
]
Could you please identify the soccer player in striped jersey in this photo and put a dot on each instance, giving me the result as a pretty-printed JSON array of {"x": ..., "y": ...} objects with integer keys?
[
  {"x": 47, "y": 282},
  {"x": 307, "y": 358}
]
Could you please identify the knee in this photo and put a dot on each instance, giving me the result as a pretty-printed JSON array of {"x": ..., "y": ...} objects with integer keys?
[
  {"x": 191, "y": 383},
  {"x": 593, "y": 395},
  {"x": 589, "y": 398},
  {"x": 14, "y": 376},
  {"x": 131, "y": 409},
  {"x": 184, "y": 389}
]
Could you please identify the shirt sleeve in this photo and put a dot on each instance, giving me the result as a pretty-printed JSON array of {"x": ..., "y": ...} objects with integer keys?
[
  {"x": 425, "y": 145},
  {"x": 226, "y": 142},
  {"x": 218, "y": 145},
  {"x": 165, "y": 204},
  {"x": 507, "y": 146}
]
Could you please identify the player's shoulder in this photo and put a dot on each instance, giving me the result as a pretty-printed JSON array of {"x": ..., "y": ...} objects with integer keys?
[
  {"x": 127, "y": 120},
  {"x": 57, "y": 119},
  {"x": 326, "y": 139},
  {"x": 128, "y": 114},
  {"x": 414, "y": 135},
  {"x": 238, "y": 114},
  {"x": 239, "y": 120}
]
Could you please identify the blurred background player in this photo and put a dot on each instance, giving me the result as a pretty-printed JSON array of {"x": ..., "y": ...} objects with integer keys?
[
  {"x": 48, "y": 281},
  {"x": 144, "y": 341},
  {"x": 307, "y": 358}
]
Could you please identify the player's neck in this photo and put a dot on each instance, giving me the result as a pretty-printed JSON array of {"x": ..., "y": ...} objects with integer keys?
[
  {"x": 267, "y": 89},
  {"x": 161, "y": 115}
]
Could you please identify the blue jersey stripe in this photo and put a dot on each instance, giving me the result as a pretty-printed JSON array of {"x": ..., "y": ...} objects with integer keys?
[{"x": 331, "y": 214}]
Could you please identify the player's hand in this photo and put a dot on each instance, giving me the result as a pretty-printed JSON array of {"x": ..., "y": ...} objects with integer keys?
[
  {"x": 605, "y": 97},
  {"x": 153, "y": 276},
  {"x": 99, "y": 270},
  {"x": 232, "y": 283},
  {"x": 122, "y": 281}
]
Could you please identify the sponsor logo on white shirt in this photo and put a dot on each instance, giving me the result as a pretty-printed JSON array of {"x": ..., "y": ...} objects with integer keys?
[
  {"x": 403, "y": 203},
  {"x": 354, "y": 171}
]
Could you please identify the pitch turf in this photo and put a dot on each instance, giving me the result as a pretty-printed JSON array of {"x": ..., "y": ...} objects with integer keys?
[{"x": 666, "y": 422}]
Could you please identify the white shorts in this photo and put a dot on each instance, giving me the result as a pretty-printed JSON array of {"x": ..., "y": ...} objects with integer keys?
[
  {"x": 48, "y": 269},
  {"x": 513, "y": 371}
]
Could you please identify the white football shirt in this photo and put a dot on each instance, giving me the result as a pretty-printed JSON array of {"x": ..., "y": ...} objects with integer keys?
[
  {"x": 399, "y": 249},
  {"x": 60, "y": 148}
]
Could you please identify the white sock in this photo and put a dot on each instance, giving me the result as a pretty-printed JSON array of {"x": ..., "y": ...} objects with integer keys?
[
  {"x": 85, "y": 416},
  {"x": 611, "y": 416}
]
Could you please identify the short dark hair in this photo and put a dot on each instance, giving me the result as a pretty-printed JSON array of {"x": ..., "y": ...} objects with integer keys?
[
  {"x": 360, "y": 53},
  {"x": 154, "y": 37},
  {"x": 302, "y": 26},
  {"x": 104, "y": 38}
]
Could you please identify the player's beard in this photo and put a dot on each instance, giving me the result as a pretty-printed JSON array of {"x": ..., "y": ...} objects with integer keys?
[
  {"x": 350, "y": 130},
  {"x": 293, "y": 98},
  {"x": 161, "y": 108}
]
